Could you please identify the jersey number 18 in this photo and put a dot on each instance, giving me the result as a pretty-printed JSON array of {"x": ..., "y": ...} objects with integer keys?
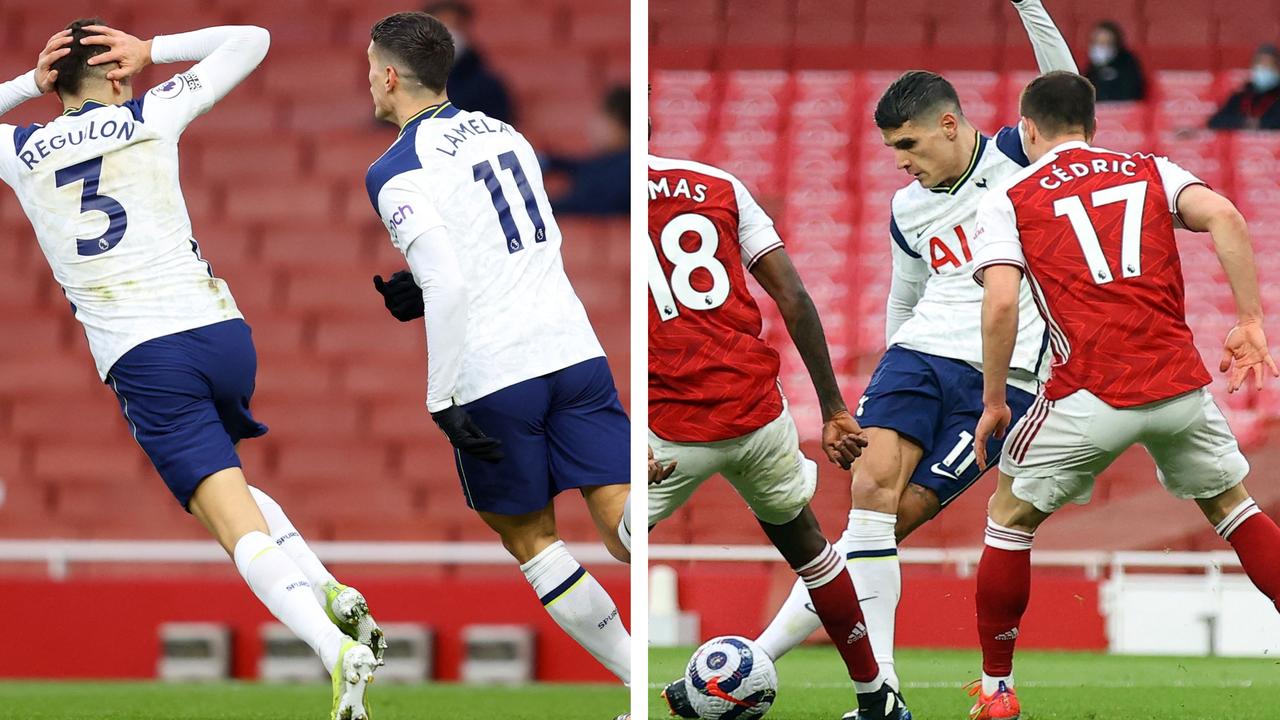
[{"x": 680, "y": 288}]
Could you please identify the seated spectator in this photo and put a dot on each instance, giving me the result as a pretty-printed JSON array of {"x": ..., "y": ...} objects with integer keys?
[
  {"x": 1256, "y": 106},
  {"x": 1113, "y": 69},
  {"x": 601, "y": 183},
  {"x": 472, "y": 85}
]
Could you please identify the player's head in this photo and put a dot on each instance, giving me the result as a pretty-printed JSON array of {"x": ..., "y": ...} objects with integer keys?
[
  {"x": 1056, "y": 107},
  {"x": 410, "y": 56},
  {"x": 77, "y": 79},
  {"x": 920, "y": 118}
]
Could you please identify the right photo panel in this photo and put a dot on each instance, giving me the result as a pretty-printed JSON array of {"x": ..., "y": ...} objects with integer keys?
[{"x": 961, "y": 395}]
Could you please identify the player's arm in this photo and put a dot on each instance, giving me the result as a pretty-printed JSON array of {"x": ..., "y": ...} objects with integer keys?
[
  {"x": 1052, "y": 52},
  {"x": 842, "y": 439},
  {"x": 418, "y": 231},
  {"x": 906, "y": 283},
  {"x": 224, "y": 56},
  {"x": 34, "y": 83},
  {"x": 998, "y": 262},
  {"x": 1203, "y": 210}
]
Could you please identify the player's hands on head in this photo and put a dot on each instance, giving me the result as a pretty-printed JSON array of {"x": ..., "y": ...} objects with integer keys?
[
  {"x": 993, "y": 423},
  {"x": 401, "y": 295},
  {"x": 1244, "y": 352},
  {"x": 128, "y": 52},
  {"x": 657, "y": 471},
  {"x": 463, "y": 434},
  {"x": 53, "y": 51},
  {"x": 843, "y": 439}
]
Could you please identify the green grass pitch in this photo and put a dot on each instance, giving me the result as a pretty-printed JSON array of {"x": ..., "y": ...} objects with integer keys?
[
  {"x": 255, "y": 701},
  {"x": 1051, "y": 686}
]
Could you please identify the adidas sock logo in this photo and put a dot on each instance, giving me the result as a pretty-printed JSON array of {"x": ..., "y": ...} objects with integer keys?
[{"x": 1010, "y": 635}]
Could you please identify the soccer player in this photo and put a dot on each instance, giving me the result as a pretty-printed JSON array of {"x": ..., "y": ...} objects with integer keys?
[
  {"x": 100, "y": 185},
  {"x": 516, "y": 378},
  {"x": 715, "y": 404},
  {"x": 1092, "y": 230},
  {"x": 926, "y": 394}
]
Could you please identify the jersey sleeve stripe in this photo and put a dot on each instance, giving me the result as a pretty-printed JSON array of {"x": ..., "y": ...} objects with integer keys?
[
  {"x": 756, "y": 258},
  {"x": 898, "y": 238},
  {"x": 1009, "y": 141}
]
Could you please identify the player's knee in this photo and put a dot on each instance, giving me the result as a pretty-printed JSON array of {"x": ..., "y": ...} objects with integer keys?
[{"x": 875, "y": 486}]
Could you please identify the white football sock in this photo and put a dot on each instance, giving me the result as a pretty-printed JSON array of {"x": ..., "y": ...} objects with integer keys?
[
  {"x": 290, "y": 540},
  {"x": 991, "y": 683},
  {"x": 794, "y": 623},
  {"x": 581, "y": 607},
  {"x": 871, "y": 550},
  {"x": 624, "y": 527},
  {"x": 281, "y": 586}
]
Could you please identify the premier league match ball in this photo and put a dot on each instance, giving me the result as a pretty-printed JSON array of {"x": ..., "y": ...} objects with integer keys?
[{"x": 731, "y": 678}]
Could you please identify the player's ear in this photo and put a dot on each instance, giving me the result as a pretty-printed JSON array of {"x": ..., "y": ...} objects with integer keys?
[{"x": 950, "y": 125}]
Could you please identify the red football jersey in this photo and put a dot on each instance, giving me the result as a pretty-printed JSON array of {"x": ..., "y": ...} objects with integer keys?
[
  {"x": 711, "y": 376},
  {"x": 1093, "y": 232}
]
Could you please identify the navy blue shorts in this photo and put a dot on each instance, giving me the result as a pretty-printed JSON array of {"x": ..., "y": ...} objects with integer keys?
[
  {"x": 560, "y": 431},
  {"x": 935, "y": 402},
  {"x": 186, "y": 398}
]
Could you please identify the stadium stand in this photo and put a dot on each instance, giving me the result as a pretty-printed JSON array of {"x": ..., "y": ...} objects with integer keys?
[
  {"x": 274, "y": 180},
  {"x": 789, "y": 111}
]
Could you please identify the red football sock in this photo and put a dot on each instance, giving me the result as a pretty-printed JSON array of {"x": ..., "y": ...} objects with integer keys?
[
  {"x": 837, "y": 606},
  {"x": 1004, "y": 586},
  {"x": 1256, "y": 539}
]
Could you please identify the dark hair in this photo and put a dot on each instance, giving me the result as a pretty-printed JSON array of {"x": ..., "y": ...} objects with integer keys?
[
  {"x": 913, "y": 95},
  {"x": 1114, "y": 28},
  {"x": 419, "y": 41},
  {"x": 617, "y": 105},
  {"x": 74, "y": 68},
  {"x": 454, "y": 6},
  {"x": 1060, "y": 102}
]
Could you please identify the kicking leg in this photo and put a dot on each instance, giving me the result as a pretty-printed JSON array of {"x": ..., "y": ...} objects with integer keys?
[
  {"x": 571, "y": 596},
  {"x": 610, "y": 506},
  {"x": 1255, "y": 537},
  {"x": 868, "y": 545},
  {"x": 345, "y": 606},
  {"x": 225, "y": 506}
]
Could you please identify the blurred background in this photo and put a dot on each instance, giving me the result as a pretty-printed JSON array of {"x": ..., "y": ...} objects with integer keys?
[
  {"x": 781, "y": 93},
  {"x": 91, "y": 543}
]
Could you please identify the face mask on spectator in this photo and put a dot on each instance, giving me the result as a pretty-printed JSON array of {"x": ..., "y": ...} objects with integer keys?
[
  {"x": 1101, "y": 54},
  {"x": 1265, "y": 78}
]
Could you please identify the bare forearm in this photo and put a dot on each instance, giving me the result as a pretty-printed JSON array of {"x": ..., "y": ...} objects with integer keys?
[
  {"x": 999, "y": 333},
  {"x": 805, "y": 328},
  {"x": 1235, "y": 253}
]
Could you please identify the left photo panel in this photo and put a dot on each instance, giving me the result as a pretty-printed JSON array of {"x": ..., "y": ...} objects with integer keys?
[{"x": 314, "y": 359}]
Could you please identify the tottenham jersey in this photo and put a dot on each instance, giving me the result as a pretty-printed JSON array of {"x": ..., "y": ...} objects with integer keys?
[
  {"x": 479, "y": 180},
  {"x": 931, "y": 231},
  {"x": 100, "y": 187}
]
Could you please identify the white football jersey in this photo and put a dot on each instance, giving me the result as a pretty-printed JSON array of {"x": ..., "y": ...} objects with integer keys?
[
  {"x": 931, "y": 230},
  {"x": 100, "y": 187},
  {"x": 479, "y": 180}
]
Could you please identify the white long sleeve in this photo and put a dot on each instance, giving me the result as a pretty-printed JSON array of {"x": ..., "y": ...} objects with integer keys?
[
  {"x": 904, "y": 293},
  {"x": 18, "y": 90},
  {"x": 444, "y": 298},
  {"x": 1052, "y": 51},
  {"x": 226, "y": 56}
]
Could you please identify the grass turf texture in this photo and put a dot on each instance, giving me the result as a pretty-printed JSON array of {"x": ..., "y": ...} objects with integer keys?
[
  {"x": 254, "y": 701},
  {"x": 1051, "y": 686}
]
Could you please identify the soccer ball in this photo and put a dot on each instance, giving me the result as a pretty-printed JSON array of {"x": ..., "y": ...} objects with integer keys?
[{"x": 730, "y": 677}]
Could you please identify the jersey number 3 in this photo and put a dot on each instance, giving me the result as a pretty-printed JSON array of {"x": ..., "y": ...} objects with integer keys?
[
  {"x": 1132, "y": 195},
  {"x": 483, "y": 172},
  {"x": 90, "y": 171},
  {"x": 681, "y": 286}
]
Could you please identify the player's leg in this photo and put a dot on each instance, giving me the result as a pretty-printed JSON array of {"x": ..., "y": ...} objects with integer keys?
[
  {"x": 514, "y": 497},
  {"x": 1198, "y": 457},
  {"x": 610, "y": 506},
  {"x": 570, "y": 595}
]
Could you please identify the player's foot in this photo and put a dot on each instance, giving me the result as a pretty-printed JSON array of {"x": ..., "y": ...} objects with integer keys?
[
  {"x": 347, "y": 609},
  {"x": 351, "y": 677},
  {"x": 883, "y": 704},
  {"x": 677, "y": 696},
  {"x": 999, "y": 705}
]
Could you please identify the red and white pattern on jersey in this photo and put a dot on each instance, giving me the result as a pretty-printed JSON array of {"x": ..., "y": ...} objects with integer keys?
[
  {"x": 1124, "y": 337},
  {"x": 711, "y": 375}
]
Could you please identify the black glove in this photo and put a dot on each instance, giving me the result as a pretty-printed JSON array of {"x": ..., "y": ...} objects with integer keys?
[
  {"x": 462, "y": 432},
  {"x": 401, "y": 295}
]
